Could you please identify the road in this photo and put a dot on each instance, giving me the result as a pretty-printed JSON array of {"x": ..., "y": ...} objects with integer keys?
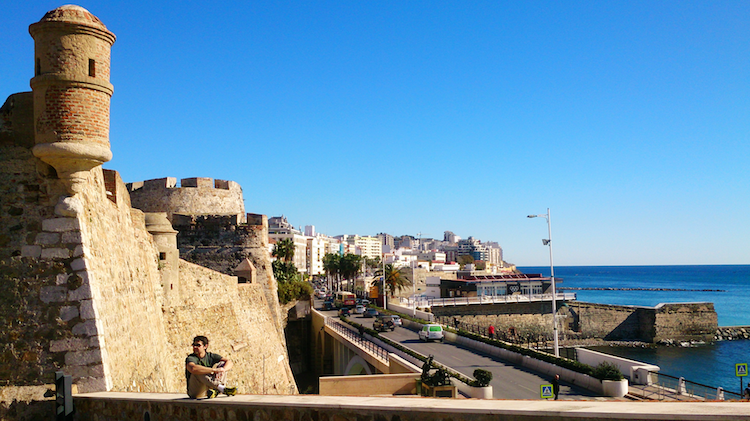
[{"x": 509, "y": 381}]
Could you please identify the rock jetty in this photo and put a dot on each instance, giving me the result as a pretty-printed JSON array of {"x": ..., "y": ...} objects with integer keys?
[{"x": 732, "y": 333}]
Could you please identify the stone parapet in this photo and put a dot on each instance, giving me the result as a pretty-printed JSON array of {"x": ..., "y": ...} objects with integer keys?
[
  {"x": 166, "y": 407},
  {"x": 196, "y": 196}
]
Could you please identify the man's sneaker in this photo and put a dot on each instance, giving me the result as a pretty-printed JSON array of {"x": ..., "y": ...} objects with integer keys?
[
  {"x": 230, "y": 391},
  {"x": 212, "y": 393}
]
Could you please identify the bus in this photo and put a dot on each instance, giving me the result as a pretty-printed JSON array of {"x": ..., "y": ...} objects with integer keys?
[{"x": 344, "y": 299}]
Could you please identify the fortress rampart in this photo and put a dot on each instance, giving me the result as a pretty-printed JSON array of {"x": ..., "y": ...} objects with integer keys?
[
  {"x": 196, "y": 196},
  {"x": 93, "y": 287},
  {"x": 672, "y": 321}
]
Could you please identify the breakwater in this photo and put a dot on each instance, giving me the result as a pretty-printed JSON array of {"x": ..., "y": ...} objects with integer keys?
[{"x": 732, "y": 333}]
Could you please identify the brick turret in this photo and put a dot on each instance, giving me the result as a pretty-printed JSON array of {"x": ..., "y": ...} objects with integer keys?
[{"x": 71, "y": 92}]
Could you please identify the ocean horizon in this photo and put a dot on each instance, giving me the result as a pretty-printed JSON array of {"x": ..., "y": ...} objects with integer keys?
[
  {"x": 723, "y": 285},
  {"x": 726, "y": 286}
]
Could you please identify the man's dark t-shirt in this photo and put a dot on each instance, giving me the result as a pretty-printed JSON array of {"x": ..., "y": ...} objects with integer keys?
[{"x": 208, "y": 361}]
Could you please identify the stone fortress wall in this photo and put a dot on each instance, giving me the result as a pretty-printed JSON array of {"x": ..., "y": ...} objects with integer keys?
[
  {"x": 196, "y": 196},
  {"x": 89, "y": 285},
  {"x": 665, "y": 322}
]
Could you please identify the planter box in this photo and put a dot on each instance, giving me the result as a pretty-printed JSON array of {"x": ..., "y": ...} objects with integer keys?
[
  {"x": 480, "y": 392},
  {"x": 438, "y": 391},
  {"x": 615, "y": 388}
]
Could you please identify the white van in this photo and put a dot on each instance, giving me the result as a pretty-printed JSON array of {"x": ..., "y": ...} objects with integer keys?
[{"x": 431, "y": 332}]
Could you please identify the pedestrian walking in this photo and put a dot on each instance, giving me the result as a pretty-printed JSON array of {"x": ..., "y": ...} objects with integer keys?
[
  {"x": 556, "y": 385},
  {"x": 491, "y": 332}
]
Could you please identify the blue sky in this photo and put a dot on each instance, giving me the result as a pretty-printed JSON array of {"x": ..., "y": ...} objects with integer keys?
[{"x": 629, "y": 119}]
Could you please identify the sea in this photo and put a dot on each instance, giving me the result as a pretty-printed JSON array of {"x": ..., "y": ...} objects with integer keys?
[{"x": 726, "y": 286}]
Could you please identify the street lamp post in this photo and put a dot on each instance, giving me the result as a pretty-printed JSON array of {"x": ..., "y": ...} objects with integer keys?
[
  {"x": 548, "y": 242},
  {"x": 385, "y": 297}
]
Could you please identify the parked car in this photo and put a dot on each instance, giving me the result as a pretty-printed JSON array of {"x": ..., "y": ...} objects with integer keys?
[
  {"x": 397, "y": 320},
  {"x": 383, "y": 323},
  {"x": 359, "y": 309},
  {"x": 344, "y": 312},
  {"x": 370, "y": 312},
  {"x": 431, "y": 332}
]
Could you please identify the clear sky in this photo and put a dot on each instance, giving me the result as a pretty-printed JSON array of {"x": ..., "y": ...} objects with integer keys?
[{"x": 629, "y": 119}]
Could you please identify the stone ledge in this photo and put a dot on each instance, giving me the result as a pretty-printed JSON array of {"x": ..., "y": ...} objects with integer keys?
[{"x": 413, "y": 408}]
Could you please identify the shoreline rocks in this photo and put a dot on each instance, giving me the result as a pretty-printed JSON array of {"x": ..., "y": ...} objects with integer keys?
[{"x": 732, "y": 333}]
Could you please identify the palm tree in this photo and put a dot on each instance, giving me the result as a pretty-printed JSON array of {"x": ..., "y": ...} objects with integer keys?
[
  {"x": 332, "y": 266},
  {"x": 284, "y": 250},
  {"x": 350, "y": 266},
  {"x": 394, "y": 278}
]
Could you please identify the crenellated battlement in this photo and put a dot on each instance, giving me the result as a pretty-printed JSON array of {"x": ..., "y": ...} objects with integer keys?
[
  {"x": 192, "y": 182},
  {"x": 197, "y": 196}
]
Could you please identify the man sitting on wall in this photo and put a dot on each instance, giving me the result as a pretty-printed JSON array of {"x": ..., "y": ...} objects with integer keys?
[{"x": 206, "y": 372}]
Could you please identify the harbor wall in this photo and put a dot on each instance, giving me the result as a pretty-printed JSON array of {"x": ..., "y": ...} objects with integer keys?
[{"x": 582, "y": 320}]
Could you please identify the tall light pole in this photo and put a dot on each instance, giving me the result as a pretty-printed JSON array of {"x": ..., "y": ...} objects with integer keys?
[
  {"x": 385, "y": 297},
  {"x": 548, "y": 242}
]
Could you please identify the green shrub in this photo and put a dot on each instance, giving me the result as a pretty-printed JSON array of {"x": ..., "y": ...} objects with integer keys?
[
  {"x": 483, "y": 378},
  {"x": 294, "y": 290},
  {"x": 607, "y": 371}
]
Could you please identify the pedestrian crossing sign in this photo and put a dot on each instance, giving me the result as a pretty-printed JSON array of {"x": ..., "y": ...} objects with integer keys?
[
  {"x": 740, "y": 370},
  {"x": 547, "y": 391}
]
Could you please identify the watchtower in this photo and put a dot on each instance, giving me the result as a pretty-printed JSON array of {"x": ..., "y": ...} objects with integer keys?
[{"x": 71, "y": 92}]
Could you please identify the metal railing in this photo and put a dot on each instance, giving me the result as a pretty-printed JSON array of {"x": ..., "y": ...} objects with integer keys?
[
  {"x": 489, "y": 299},
  {"x": 357, "y": 339},
  {"x": 666, "y": 387}
]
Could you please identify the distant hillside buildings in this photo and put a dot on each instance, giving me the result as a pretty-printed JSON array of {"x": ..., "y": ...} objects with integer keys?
[{"x": 402, "y": 251}]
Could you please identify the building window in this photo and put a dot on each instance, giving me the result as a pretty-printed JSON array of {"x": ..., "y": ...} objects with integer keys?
[
  {"x": 92, "y": 67},
  {"x": 162, "y": 256}
]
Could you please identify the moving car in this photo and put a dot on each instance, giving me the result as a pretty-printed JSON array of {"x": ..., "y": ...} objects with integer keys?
[
  {"x": 397, "y": 320},
  {"x": 370, "y": 312},
  {"x": 431, "y": 332},
  {"x": 359, "y": 309},
  {"x": 383, "y": 323},
  {"x": 344, "y": 311},
  {"x": 328, "y": 305}
]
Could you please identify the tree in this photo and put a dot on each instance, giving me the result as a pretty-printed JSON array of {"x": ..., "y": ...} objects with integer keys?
[
  {"x": 332, "y": 266},
  {"x": 394, "y": 278},
  {"x": 465, "y": 259},
  {"x": 284, "y": 250},
  {"x": 372, "y": 263},
  {"x": 350, "y": 266}
]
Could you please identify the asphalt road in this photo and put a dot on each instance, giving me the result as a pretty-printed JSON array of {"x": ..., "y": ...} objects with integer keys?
[{"x": 509, "y": 381}]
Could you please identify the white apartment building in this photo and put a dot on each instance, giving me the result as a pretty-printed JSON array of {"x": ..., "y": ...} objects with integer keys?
[
  {"x": 401, "y": 258},
  {"x": 364, "y": 246},
  {"x": 432, "y": 256},
  {"x": 316, "y": 249}
]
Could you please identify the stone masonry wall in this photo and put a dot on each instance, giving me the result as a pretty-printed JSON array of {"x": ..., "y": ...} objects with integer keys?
[
  {"x": 238, "y": 324},
  {"x": 675, "y": 321},
  {"x": 80, "y": 289},
  {"x": 197, "y": 196},
  {"x": 685, "y": 321},
  {"x": 221, "y": 243},
  {"x": 68, "y": 282}
]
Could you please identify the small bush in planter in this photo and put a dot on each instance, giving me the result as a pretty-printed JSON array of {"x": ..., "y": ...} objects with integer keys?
[
  {"x": 607, "y": 371},
  {"x": 483, "y": 378}
]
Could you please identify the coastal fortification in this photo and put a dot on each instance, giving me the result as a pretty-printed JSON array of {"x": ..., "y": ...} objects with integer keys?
[
  {"x": 212, "y": 229},
  {"x": 89, "y": 285},
  {"x": 195, "y": 196},
  {"x": 674, "y": 322}
]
